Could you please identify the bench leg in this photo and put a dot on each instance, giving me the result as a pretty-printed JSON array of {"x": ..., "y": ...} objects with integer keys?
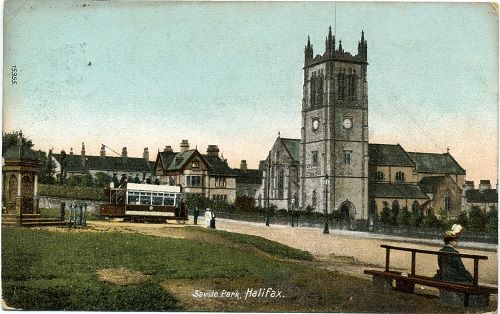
[
  {"x": 382, "y": 282},
  {"x": 461, "y": 299}
]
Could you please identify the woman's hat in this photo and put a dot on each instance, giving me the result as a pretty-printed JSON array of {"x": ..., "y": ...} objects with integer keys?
[
  {"x": 457, "y": 229},
  {"x": 450, "y": 235}
]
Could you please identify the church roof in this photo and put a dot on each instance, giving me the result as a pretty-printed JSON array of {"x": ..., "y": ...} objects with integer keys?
[
  {"x": 436, "y": 163},
  {"x": 293, "y": 147},
  {"x": 106, "y": 163},
  {"x": 250, "y": 176},
  {"x": 429, "y": 184},
  {"x": 484, "y": 196},
  {"x": 395, "y": 190},
  {"x": 389, "y": 155}
]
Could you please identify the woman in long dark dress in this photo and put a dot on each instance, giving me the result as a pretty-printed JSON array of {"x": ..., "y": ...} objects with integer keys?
[{"x": 451, "y": 268}]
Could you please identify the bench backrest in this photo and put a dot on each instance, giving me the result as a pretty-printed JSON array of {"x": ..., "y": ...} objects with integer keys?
[{"x": 414, "y": 252}]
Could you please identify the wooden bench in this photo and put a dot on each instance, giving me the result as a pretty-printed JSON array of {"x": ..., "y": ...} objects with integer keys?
[{"x": 479, "y": 294}]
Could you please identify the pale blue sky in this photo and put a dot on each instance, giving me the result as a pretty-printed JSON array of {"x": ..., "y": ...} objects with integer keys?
[{"x": 231, "y": 74}]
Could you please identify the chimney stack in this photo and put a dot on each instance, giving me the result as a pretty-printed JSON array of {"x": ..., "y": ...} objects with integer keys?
[
  {"x": 83, "y": 154},
  {"x": 468, "y": 185},
  {"x": 124, "y": 152},
  {"x": 145, "y": 154},
  {"x": 167, "y": 149},
  {"x": 103, "y": 150},
  {"x": 243, "y": 165},
  {"x": 213, "y": 151},
  {"x": 71, "y": 150},
  {"x": 484, "y": 185},
  {"x": 184, "y": 146}
]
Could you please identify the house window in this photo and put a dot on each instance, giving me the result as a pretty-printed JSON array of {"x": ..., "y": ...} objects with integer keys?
[
  {"x": 195, "y": 165},
  {"x": 347, "y": 157},
  {"x": 379, "y": 176},
  {"x": 400, "y": 176},
  {"x": 220, "y": 182},
  {"x": 315, "y": 159},
  {"x": 314, "y": 199},
  {"x": 193, "y": 180}
]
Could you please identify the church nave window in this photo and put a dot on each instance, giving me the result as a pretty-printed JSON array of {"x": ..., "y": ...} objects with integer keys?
[
  {"x": 281, "y": 184},
  {"x": 400, "y": 176}
]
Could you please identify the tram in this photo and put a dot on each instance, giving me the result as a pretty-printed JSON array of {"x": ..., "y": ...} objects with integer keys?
[{"x": 144, "y": 203}]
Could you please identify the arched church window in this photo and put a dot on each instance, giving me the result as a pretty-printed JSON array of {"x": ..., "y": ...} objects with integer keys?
[
  {"x": 319, "y": 90},
  {"x": 447, "y": 201},
  {"x": 281, "y": 183},
  {"x": 312, "y": 100},
  {"x": 400, "y": 176},
  {"x": 379, "y": 176},
  {"x": 314, "y": 199},
  {"x": 341, "y": 79}
]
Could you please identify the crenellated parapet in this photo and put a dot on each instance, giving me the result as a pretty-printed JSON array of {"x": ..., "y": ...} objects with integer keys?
[{"x": 333, "y": 53}]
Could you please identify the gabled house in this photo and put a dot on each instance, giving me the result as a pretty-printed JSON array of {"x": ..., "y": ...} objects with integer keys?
[{"x": 205, "y": 175}]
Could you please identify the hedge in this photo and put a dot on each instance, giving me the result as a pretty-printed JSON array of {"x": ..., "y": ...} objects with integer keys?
[{"x": 72, "y": 192}]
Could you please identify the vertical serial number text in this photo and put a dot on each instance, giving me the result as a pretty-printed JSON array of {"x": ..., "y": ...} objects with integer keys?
[{"x": 14, "y": 74}]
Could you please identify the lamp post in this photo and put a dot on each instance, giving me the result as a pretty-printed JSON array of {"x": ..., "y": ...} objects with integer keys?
[{"x": 326, "y": 181}]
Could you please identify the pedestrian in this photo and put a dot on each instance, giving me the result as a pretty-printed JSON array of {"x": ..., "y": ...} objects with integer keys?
[
  {"x": 208, "y": 217},
  {"x": 196, "y": 213},
  {"x": 157, "y": 181},
  {"x": 148, "y": 180},
  {"x": 451, "y": 267},
  {"x": 136, "y": 178},
  {"x": 123, "y": 181},
  {"x": 130, "y": 179},
  {"x": 116, "y": 183},
  {"x": 212, "y": 221}
]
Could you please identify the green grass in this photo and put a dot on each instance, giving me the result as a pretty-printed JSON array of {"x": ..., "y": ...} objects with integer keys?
[
  {"x": 44, "y": 270},
  {"x": 262, "y": 244}
]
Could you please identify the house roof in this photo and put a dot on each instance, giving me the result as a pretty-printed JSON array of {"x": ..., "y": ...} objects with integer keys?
[
  {"x": 389, "y": 155},
  {"x": 393, "y": 190},
  {"x": 107, "y": 163},
  {"x": 219, "y": 166},
  {"x": 249, "y": 176},
  {"x": 172, "y": 161},
  {"x": 485, "y": 196},
  {"x": 429, "y": 184},
  {"x": 436, "y": 163},
  {"x": 293, "y": 147}
]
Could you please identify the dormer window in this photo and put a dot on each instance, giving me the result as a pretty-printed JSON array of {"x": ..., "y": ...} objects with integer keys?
[
  {"x": 400, "y": 176},
  {"x": 380, "y": 176}
]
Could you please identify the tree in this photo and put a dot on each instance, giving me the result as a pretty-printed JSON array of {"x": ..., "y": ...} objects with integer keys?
[
  {"x": 415, "y": 219},
  {"x": 11, "y": 139},
  {"x": 46, "y": 169},
  {"x": 102, "y": 179},
  {"x": 462, "y": 219},
  {"x": 385, "y": 216}
]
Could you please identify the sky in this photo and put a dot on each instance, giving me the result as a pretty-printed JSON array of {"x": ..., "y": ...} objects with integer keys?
[{"x": 150, "y": 74}]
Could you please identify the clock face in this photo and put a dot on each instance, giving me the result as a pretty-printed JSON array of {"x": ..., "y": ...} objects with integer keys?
[
  {"x": 315, "y": 124},
  {"x": 347, "y": 123}
]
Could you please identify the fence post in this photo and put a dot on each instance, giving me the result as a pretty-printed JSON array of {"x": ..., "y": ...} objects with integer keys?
[
  {"x": 84, "y": 213},
  {"x": 63, "y": 206}
]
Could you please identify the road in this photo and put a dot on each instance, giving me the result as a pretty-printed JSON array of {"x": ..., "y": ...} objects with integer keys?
[{"x": 360, "y": 252}]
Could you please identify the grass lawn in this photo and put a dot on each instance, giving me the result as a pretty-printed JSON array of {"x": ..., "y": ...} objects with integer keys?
[{"x": 46, "y": 270}]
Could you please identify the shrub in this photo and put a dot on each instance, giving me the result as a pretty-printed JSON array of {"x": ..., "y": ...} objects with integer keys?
[
  {"x": 477, "y": 218},
  {"x": 244, "y": 203},
  {"x": 403, "y": 218},
  {"x": 73, "y": 192},
  {"x": 492, "y": 220},
  {"x": 415, "y": 220},
  {"x": 385, "y": 216}
]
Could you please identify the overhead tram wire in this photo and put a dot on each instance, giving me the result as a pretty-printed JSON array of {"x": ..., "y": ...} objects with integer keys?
[{"x": 112, "y": 150}]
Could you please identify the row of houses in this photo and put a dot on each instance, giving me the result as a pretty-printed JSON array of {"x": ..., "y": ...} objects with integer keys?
[
  {"x": 207, "y": 174},
  {"x": 422, "y": 182}
]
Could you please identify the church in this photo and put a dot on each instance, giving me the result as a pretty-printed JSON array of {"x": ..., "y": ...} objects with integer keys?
[{"x": 333, "y": 167}]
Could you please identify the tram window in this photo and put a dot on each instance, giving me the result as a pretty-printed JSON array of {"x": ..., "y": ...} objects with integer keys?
[
  {"x": 157, "y": 200},
  {"x": 133, "y": 199},
  {"x": 145, "y": 198},
  {"x": 169, "y": 201}
]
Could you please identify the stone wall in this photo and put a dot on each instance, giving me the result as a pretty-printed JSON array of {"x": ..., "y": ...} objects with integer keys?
[{"x": 55, "y": 202}]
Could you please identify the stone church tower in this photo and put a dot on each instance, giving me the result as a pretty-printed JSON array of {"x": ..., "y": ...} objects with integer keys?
[{"x": 334, "y": 133}]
